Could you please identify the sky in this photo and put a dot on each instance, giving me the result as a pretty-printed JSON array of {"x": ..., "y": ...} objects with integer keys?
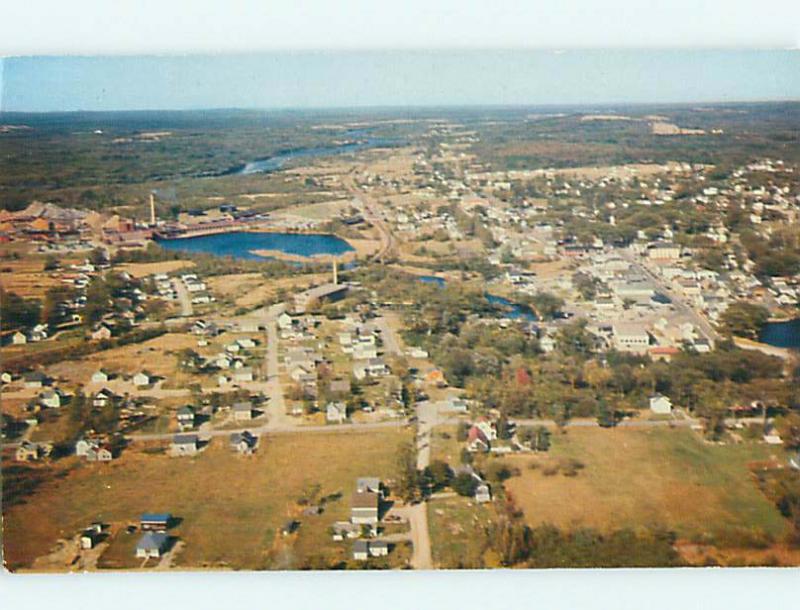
[{"x": 366, "y": 78}]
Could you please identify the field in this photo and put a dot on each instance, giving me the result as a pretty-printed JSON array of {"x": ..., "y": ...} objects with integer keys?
[
  {"x": 458, "y": 537},
  {"x": 643, "y": 478},
  {"x": 231, "y": 508}
]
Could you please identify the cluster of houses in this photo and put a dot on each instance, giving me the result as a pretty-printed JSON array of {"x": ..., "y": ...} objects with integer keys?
[
  {"x": 365, "y": 516},
  {"x": 197, "y": 289}
]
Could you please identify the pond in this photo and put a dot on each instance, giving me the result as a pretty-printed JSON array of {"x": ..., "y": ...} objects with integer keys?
[
  {"x": 781, "y": 334},
  {"x": 240, "y": 244}
]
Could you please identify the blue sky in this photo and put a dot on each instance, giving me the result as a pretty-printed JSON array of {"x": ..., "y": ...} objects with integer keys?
[{"x": 318, "y": 79}]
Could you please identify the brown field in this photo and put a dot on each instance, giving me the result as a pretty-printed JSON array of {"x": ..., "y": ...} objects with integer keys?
[
  {"x": 27, "y": 277},
  {"x": 231, "y": 508},
  {"x": 155, "y": 355},
  {"x": 140, "y": 270},
  {"x": 644, "y": 478},
  {"x": 252, "y": 289}
]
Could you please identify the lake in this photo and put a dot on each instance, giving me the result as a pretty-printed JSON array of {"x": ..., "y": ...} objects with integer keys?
[
  {"x": 781, "y": 334},
  {"x": 239, "y": 244}
]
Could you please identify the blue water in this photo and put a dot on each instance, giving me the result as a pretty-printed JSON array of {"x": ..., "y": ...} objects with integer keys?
[
  {"x": 781, "y": 334},
  {"x": 517, "y": 312},
  {"x": 276, "y": 162},
  {"x": 431, "y": 279},
  {"x": 239, "y": 244}
]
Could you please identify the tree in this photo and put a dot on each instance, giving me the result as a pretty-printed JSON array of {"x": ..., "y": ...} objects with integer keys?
[
  {"x": 439, "y": 473},
  {"x": 744, "y": 319},
  {"x": 605, "y": 416},
  {"x": 464, "y": 484},
  {"x": 408, "y": 479},
  {"x": 17, "y": 312},
  {"x": 51, "y": 262},
  {"x": 789, "y": 429}
]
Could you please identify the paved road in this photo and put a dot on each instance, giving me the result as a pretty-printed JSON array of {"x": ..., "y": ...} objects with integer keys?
[
  {"x": 184, "y": 297},
  {"x": 681, "y": 305}
]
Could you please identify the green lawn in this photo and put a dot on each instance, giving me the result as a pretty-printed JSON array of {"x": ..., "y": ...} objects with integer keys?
[{"x": 457, "y": 528}]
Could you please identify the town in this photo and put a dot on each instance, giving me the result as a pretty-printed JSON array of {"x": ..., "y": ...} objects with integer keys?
[{"x": 430, "y": 345}]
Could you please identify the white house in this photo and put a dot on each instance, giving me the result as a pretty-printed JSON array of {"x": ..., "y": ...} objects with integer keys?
[
  {"x": 335, "y": 412},
  {"x": 660, "y": 404},
  {"x": 142, "y": 379}
]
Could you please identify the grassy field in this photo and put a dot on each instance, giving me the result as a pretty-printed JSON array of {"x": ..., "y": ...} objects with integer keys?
[
  {"x": 458, "y": 539},
  {"x": 642, "y": 478},
  {"x": 231, "y": 508}
]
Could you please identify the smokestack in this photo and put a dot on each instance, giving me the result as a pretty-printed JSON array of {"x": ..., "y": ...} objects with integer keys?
[
  {"x": 335, "y": 273},
  {"x": 152, "y": 209}
]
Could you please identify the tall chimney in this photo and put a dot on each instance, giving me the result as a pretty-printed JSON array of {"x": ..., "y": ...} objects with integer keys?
[
  {"x": 152, "y": 209},
  {"x": 335, "y": 273}
]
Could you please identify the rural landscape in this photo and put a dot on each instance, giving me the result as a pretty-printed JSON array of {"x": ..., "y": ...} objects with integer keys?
[{"x": 429, "y": 338}]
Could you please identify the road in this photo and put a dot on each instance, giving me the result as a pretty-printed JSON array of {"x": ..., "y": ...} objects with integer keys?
[
  {"x": 417, "y": 517},
  {"x": 184, "y": 297},
  {"x": 370, "y": 210},
  {"x": 276, "y": 408},
  {"x": 680, "y": 304},
  {"x": 390, "y": 342}
]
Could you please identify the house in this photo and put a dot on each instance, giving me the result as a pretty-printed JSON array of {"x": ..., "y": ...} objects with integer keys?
[
  {"x": 374, "y": 367},
  {"x": 19, "y": 338},
  {"x": 34, "y": 379},
  {"x": 335, "y": 412},
  {"x": 364, "y": 508},
  {"x": 340, "y": 387},
  {"x": 152, "y": 544},
  {"x": 660, "y": 404},
  {"x": 368, "y": 484},
  {"x": 436, "y": 377},
  {"x": 547, "y": 344},
  {"x": 243, "y": 443},
  {"x": 183, "y": 444},
  {"x": 52, "y": 399},
  {"x": 378, "y": 548},
  {"x": 630, "y": 337},
  {"x": 101, "y": 376},
  {"x": 155, "y": 521},
  {"x": 91, "y": 536},
  {"x": 28, "y": 452},
  {"x": 103, "y": 398},
  {"x": 483, "y": 493},
  {"x": 83, "y": 445},
  {"x": 142, "y": 378},
  {"x": 38, "y": 333},
  {"x": 345, "y": 529},
  {"x": 100, "y": 453},
  {"x": 243, "y": 374},
  {"x": 285, "y": 321},
  {"x": 6, "y": 377},
  {"x": 321, "y": 294},
  {"x": 101, "y": 332},
  {"x": 360, "y": 550},
  {"x": 185, "y": 417},
  {"x": 477, "y": 440},
  {"x": 364, "y": 351},
  {"x": 242, "y": 411},
  {"x": 364, "y": 549},
  {"x": 246, "y": 343}
]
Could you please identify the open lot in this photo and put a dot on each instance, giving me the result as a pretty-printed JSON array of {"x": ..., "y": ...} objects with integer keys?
[
  {"x": 458, "y": 533},
  {"x": 231, "y": 508},
  {"x": 643, "y": 478}
]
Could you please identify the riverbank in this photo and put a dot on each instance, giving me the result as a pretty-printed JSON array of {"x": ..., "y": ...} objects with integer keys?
[{"x": 780, "y": 352}]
